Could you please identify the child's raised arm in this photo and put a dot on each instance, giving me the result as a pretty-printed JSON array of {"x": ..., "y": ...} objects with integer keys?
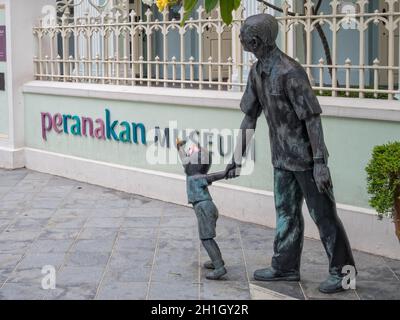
[{"x": 212, "y": 177}]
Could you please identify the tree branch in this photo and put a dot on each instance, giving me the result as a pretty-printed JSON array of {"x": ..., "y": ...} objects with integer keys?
[{"x": 275, "y": 7}]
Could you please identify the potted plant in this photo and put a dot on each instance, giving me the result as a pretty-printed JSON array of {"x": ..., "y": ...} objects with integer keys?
[{"x": 383, "y": 179}]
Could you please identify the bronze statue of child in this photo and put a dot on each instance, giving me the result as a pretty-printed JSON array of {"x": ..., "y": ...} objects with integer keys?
[{"x": 197, "y": 162}]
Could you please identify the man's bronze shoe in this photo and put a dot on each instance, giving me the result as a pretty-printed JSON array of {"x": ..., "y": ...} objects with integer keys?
[
  {"x": 271, "y": 274},
  {"x": 332, "y": 284}
]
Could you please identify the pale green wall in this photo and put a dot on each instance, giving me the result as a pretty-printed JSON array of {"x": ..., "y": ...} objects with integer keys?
[
  {"x": 3, "y": 94},
  {"x": 349, "y": 141}
]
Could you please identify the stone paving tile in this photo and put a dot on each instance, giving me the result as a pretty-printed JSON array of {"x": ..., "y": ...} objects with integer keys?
[
  {"x": 92, "y": 233},
  {"x": 139, "y": 232},
  {"x": 177, "y": 211},
  {"x": 4, "y": 223},
  {"x": 26, "y": 223},
  {"x": 112, "y": 204},
  {"x": 73, "y": 213},
  {"x": 4, "y": 274},
  {"x": 153, "y": 203},
  {"x": 14, "y": 246},
  {"x": 178, "y": 244},
  {"x": 9, "y": 260},
  {"x": 46, "y": 203},
  {"x": 221, "y": 290},
  {"x": 135, "y": 244},
  {"x": 21, "y": 291},
  {"x": 123, "y": 291},
  {"x": 18, "y": 196},
  {"x": 377, "y": 290},
  {"x": 32, "y": 260},
  {"x": 137, "y": 212},
  {"x": 394, "y": 265},
  {"x": 79, "y": 204},
  {"x": 66, "y": 222},
  {"x": 26, "y": 275},
  {"x": 4, "y": 191},
  {"x": 183, "y": 222},
  {"x": 28, "y": 186},
  {"x": 133, "y": 222},
  {"x": 77, "y": 276},
  {"x": 12, "y": 234},
  {"x": 226, "y": 244},
  {"x": 87, "y": 259},
  {"x": 137, "y": 273},
  {"x": 32, "y": 176},
  {"x": 54, "y": 190},
  {"x": 372, "y": 268},
  {"x": 9, "y": 182},
  {"x": 131, "y": 259},
  {"x": 37, "y": 213},
  {"x": 291, "y": 289},
  {"x": 11, "y": 204},
  {"x": 82, "y": 291},
  {"x": 55, "y": 182},
  {"x": 51, "y": 246},
  {"x": 97, "y": 245},
  {"x": 95, "y": 222},
  {"x": 109, "y": 212},
  {"x": 183, "y": 290},
  {"x": 176, "y": 265},
  {"x": 58, "y": 233},
  {"x": 178, "y": 233}
]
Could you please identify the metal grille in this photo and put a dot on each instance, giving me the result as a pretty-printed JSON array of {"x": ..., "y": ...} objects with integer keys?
[{"x": 114, "y": 45}]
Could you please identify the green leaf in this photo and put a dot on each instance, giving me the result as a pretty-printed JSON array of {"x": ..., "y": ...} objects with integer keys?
[
  {"x": 188, "y": 6},
  {"x": 227, "y": 7},
  {"x": 236, "y": 4},
  {"x": 211, "y": 4}
]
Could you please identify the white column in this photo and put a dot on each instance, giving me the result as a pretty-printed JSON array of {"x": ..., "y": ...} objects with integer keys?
[{"x": 21, "y": 16}]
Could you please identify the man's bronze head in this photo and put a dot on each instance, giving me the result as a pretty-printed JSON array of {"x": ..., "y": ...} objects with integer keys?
[{"x": 259, "y": 33}]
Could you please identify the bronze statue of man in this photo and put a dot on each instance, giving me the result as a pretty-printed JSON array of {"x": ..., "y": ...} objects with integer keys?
[{"x": 279, "y": 86}]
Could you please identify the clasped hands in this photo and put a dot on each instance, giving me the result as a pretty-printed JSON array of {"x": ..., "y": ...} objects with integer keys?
[{"x": 321, "y": 174}]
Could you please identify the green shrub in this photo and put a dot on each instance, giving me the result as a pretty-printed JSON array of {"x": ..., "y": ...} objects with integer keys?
[{"x": 384, "y": 178}]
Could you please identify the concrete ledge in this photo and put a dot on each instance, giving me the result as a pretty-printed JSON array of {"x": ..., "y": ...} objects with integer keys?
[
  {"x": 332, "y": 107},
  {"x": 366, "y": 233},
  {"x": 11, "y": 158}
]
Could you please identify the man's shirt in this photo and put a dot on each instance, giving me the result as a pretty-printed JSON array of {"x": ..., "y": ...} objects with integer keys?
[
  {"x": 281, "y": 89},
  {"x": 197, "y": 189}
]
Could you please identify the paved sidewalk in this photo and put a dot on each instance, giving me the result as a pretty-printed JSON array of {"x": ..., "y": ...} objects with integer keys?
[{"x": 107, "y": 244}]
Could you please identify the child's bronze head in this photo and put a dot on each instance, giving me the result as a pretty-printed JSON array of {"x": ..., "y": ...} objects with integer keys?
[{"x": 197, "y": 161}]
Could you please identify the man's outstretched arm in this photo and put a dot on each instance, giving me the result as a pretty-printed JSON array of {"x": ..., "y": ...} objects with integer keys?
[
  {"x": 246, "y": 133},
  {"x": 251, "y": 107}
]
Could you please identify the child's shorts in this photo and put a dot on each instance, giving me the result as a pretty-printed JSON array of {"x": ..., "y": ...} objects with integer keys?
[{"x": 207, "y": 215}]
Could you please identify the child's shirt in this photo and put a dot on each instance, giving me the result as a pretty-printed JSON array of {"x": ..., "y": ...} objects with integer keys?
[{"x": 197, "y": 189}]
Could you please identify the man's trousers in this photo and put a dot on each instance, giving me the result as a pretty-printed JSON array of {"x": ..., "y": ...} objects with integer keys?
[{"x": 291, "y": 188}]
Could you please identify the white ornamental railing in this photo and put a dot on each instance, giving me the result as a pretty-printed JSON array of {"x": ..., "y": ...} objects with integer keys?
[{"x": 118, "y": 46}]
